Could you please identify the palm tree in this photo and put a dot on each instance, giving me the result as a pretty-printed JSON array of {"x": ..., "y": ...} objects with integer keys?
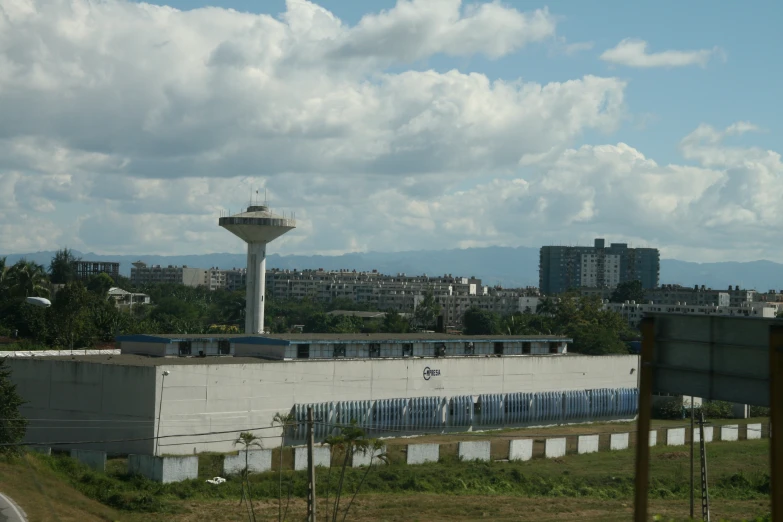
[
  {"x": 351, "y": 439},
  {"x": 284, "y": 421},
  {"x": 248, "y": 441},
  {"x": 27, "y": 279}
]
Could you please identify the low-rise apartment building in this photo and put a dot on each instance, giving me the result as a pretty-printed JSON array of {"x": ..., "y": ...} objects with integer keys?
[
  {"x": 143, "y": 274},
  {"x": 697, "y": 295},
  {"x": 634, "y": 312}
]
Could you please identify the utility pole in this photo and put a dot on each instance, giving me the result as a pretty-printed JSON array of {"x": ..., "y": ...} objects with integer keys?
[
  {"x": 692, "y": 437},
  {"x": 705, "y": 497},
  {"x": 310, "y": 468}
]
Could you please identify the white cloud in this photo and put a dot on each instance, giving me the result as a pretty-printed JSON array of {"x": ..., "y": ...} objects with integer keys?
[
  {"x": 127, "y": 128},
  {"x": 633, "y": 53}
]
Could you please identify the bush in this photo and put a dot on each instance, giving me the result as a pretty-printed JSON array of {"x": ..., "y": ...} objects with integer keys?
[
  {"x": 715, "y": 410},
  {"x": 759, "y": 411},
  {"x": 668, "y": 408}
]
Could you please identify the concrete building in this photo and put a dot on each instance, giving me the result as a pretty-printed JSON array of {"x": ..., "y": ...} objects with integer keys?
[
  {"x": 563, "y": 267},
  {"x": 197, "y": 392},
  {"x": 373, "y": 288},
  {"x": 143, "y": 274},
  {"x": 86, "y": 269},
  {"x": 235, "y": 279}
]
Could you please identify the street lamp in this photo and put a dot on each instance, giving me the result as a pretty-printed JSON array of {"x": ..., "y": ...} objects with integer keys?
[{"x": 160, "y": 409}]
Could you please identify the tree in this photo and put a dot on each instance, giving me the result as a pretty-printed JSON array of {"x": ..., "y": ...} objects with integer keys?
[
  {"x": 284, "y": 421},
  {"x": 3, "y": 280},
  {"x": 247, "y": 440},
  {"x": 594, "y": 330},
  {"x": 546, "y": 306},
  {"x": 12, "y": 424},
  {"x": 522, "y": 324},
  {"x": 628, "y": 291},
  {"x": 99, "y": 284},
  {"x": 62, "y": 268},
  {"x": 480, "y": 322},
  {"x": 426, "y": 312},
  {"x": 107, "y": 320},
  {"x": 375, "y": 447},
  {"x": 395, "y": 323},
  {"x": 173, "y": 307},
  {"x": 349, "y": 440},
  {"x": 597, "y": 339},
  {"x": 70, "y": 314},
  {"x": 27, "y": 279}
]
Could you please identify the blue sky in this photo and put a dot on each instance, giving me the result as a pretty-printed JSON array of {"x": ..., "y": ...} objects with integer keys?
[
  {"x": 666, "y": 103},
  {"x": 389, "y": 126}
]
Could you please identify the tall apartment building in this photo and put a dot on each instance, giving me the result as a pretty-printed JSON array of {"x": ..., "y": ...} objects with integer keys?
[
  {"x": 562, "y": 268},
  {"x": 86, "y": 269},
  {"x": 143, "y": 274}
]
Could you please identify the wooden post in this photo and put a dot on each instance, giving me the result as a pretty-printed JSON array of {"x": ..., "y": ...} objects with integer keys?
[
  {"x": 692, "y": 437},
  {"x": 647, "y": 327},
  {"x": 776, "y": 419},
  {"x": 310, "y": 468}
]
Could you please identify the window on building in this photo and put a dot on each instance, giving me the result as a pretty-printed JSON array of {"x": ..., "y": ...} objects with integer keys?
[
  {"x": 526, "y": 348},
  {"x": 339, "y": 350},
  {"x": 407, "y": 350},
  {"x": 499, "y": 348},
  {"x": 185, "y": 347},
  {"x": 302, "y": 351},
  {"x": 553, "y": 347},
  {"x": 224, "y": 347},
  {"x": 375, "y": 350}
]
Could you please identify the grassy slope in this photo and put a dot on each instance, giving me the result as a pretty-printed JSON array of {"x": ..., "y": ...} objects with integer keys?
[{"x": 45, "y": 496}]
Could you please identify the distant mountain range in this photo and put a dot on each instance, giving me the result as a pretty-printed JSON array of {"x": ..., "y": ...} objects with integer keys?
[{"x": 505, "y": 266}]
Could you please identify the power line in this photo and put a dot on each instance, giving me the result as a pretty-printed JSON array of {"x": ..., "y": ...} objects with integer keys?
[{"x": 137, "y": 439}]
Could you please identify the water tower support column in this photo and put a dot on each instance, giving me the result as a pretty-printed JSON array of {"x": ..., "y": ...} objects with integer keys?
[{"x": 256, "y": 286}]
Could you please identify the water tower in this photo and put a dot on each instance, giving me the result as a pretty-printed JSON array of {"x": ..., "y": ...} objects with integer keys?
[{"x": 257, "y": 226}]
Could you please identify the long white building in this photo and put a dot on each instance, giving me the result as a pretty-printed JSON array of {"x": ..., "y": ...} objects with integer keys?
[{"x": 198, "y": 392}]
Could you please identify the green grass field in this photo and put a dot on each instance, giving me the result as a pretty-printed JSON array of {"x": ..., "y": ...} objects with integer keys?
[{"x": 598, "y": 486}]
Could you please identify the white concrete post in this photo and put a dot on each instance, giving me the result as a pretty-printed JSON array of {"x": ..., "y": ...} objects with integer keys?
[{"x": 256, "y": 286}]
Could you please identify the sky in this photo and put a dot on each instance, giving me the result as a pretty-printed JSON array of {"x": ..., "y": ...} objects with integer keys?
[{"x": 129, "y": 127}]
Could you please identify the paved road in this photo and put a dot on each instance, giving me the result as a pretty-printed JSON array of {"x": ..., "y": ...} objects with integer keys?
[{"x": 10, "y": 512}]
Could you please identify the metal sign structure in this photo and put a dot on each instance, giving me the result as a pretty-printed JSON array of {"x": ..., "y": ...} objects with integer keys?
[{"x": 736, "y": 359}]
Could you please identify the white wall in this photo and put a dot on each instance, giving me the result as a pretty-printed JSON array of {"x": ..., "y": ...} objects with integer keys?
[
  {"x": 84, "y": 401},
  {"x": 81, "y": 401},
  {"x": 200, "y": 398}
]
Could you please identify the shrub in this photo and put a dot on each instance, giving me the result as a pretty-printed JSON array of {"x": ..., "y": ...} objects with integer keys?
[
  {"x": 759, "y": 411},
  {"x": 668, "y": 408},
  {"x": 716, "y": 410}
]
